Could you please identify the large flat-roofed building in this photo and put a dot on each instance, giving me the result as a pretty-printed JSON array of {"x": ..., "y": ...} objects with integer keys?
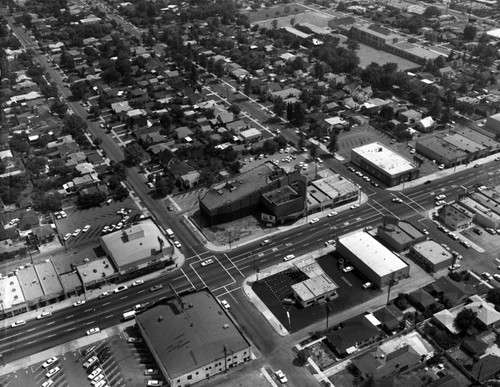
[
  {"x": 441, "y": 151},
  {"x": 479, "y": 138},
  {"x": 493, "y": 123},
  {"x": 384, "y": 164},
  {"x": 12, "y": 300},
  {"x": 472, "y": 148},
  {"x": 399, "y": 235},
  {"x": 138, "y": 248},
  {"x": 49, "y": 280},
  {"x": 193, "y": 341},
  {"x": 431, "y": 255},
  {"x": 483, "y": 214},
  {"x": 245, "y": 195},
  {"x": 330, "y": 191},
  {"x": 315, "y": 290},
  {"x": 373, "y": 259}
]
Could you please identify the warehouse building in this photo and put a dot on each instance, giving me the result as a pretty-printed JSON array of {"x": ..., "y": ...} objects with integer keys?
[
  {"x": 138, "y": 248},
  {"x": 431, "y": 256},
  {"x": 278, "y": 196},
  {"x": 380, "y": 265},
  {"x": 381, "y": 162},
  {"x": 435, "y": 148},
  {"x": 399, "y": 235},
  {"x": 193, "y": 339}
]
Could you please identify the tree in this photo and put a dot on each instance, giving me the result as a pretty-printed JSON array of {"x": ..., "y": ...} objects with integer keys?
[
  {"x": 47, "y": 202},
  {"x": 59, "y": 107},
  {"x": 279, "y": 107},
  {"x": 432, "y": 11},
  {"x": 352, "y": 44},
  {"x": 465, "y": 319},
  {"x": 493, "y": 296},
  {"x": 121, "y": 193},
  {"x": 79, "y": 89},
  {"x": 163, "y": 186},
  {"x": 235, "y": 109},
  {"x": 274, "y": 24},
  {"x": 313, "y": 150},
  {"x": 470, "y": 33},
  {"x": 333, "y": 144},
  {"x": 133, "y": 154}
]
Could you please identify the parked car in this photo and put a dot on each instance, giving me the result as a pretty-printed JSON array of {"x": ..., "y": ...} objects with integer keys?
[
  {"x": 67, "y": 236},
  {"x": 225, "y": 304},
  {"x": 137, "y": 282},
  {"x": 177, "y": 244},
  {"x": 455, "y": 266},
  {"x": 281, "y": 376},
  {"x": 103, "y": 295},
  {"x": 92, "y": 331},
  {"x": 265, "y": 242},
  {"x": 354, "y": 206},
  {"x": 120, "y": 288},
  {"x": 289, "y": 257},
  {"x": 367, "y": 285},
  {"x": 43, "y": 315},
  {"x": 397, "y": 200},
  {"x": 314, "y": 220},
  {"x": 347, "y": 269},
  {"x": 333, "y": 213},
  {"x": 79, "y": 302},
  {"x": 77, "y": 232},
  {"x": 52, "y": 372},
  {"x": 48, "y": 362},
  {"x": 86, "y": 228}
]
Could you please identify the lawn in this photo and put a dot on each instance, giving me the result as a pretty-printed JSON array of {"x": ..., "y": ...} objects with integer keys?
[
  {"x": 271, "y": 13},
  {"x": 367, "y": 55}
]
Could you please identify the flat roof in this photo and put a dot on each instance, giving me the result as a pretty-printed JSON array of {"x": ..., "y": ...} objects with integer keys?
[
  {"x": 281, "y": 195},
  {"x": 314, "y": 287},
  {"x": 245, "y": 183},
  {"x": 433, "y": 251},
  {"x": 490, "y": 208},
  {"x": 30, "y": 284},
  {"x": 135, "y": 243},
  {"x": 334, "y": 186},
  {"x": 10, "y": 292},
  {"x": 384, "y": 158},
  {"x": 453, "y": 212},
  {"x": 95, "y": 271},
  {"x": 48, "y": 277},
  {"x": 198, "y": 335},
  {"x": 477, "y": 137},
  {"x": 464, "y": 143},
  {"x": 374, "y": 254},
  {"x": 70, "y": 281},
  {"x": 439, "y": 146},
  {"x": 403, "y": 232}
]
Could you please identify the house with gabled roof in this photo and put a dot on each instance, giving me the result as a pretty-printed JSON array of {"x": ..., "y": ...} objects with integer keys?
[
  {"x": 353, "y": 334},
  {"x": 421, "y": 299}
]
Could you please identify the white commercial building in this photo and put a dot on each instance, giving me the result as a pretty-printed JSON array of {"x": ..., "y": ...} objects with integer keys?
[
  {"x": 383, "y": 163},
  {"x": 379, "y": 264}
]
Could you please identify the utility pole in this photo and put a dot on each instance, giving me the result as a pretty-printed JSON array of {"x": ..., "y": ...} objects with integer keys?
[{"x": 327, "y": 314}]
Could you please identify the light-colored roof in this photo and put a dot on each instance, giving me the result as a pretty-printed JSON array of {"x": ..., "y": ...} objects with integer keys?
[
  {"x": 134, "y": 244},
  {"x": 432, "y": 251},
  {"x": 30, "y": 284},
  {"x": 374, "y": 254},
  {"x": 384, "y": 158},
  {"x": 49, "y": 279},
  {"x": 314, "y": 287},
  {"x": 95, "y": 271},
  {"x": 10, "y": 293}
]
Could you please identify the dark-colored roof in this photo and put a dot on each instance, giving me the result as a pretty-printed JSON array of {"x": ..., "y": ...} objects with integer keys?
[
  {"x": 474, "y": 347},
  {"x": 421, "y": 298},
  {"x": 445, "y": 381},
  {"x": 187, "y": 340},
  {"x": 43, "y": 231},
  {"x": 355, "y": 330},
  {"x": 486, "y": 367},
  {"x": 451, "y": 290},
  {"x": 387, "y": 318}
]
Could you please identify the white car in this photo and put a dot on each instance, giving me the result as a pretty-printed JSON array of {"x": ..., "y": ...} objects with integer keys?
[
  {"x": 354, "y": 206},
  {"x": 77, "y": 232},
  {"x": 454, "y": 267},
  {"x": 121, "y": 288},
  {"x": 314, "y": 220},
  {"x": 93, "y": 331},
  {"x": 289, "y": 257},
  {"x": 18, "y": 323},
  {"x": 89, "y": 362},
  {"x": 112, "y": 227},
  {"x": 103, "y": 295},
  {"x": 49, "y": 362},
  {"x": 281, "y": 376},
  {"x": 119, "y": 225},
  {"x": 100, "y": 383},
  {"x": 207, "y": 262},
  {"x": 397, "y": 200},
  {"x": 52, "y": 372},
  {"x": 86, "y": 228},
  {"x": 94, "y": 373},
  {"x": 330, "y": 242},
  {"x": 347, "y": 269},
  {"x": 67, "y": 236},
  {"x": 150, "y": 371},
  {"x": 265, "y": 242},
  {"x": 333, "y": 213},
  {"x": 63, "y": 214},
  {"x": 97, "y": 380},
  {"x": 155, "y": 383},
  {"x": 48, "y": 383},
  {"x": 487, "y": 275},
  {"x": 440, "y": 203},
  {"x": 367, "y": 285},
  {"x": 440, "y": 197},
  {"x": 368, "y": 228},
  {"x": 43, "y": 315},
  {"x": 105, "y": 230},
  {"x": 79, "y": 302},
  {"x": 137, "y": 282},
  {"x": 225, "y": 304},
  {"x": 177, "y": 244}
]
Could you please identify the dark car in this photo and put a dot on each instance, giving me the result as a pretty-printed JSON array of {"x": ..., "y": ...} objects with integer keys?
[{"x": 477, "y": 231}]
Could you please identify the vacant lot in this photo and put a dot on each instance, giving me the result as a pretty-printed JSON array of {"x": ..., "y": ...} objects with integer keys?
[
  {"x": 367, "y": 55},
  {"x": 270, "y": 13}
]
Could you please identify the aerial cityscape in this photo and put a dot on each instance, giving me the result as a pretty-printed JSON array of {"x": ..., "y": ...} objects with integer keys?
[{"x": 249, "y": 193}]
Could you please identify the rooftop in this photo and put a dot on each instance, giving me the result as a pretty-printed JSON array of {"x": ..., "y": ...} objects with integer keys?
[
  {"x": 464, "y": 143},
  {"x": 374, "y": 254},
  {"x": 282, "y": 195},
  {"x": 384, "y": 158},
  {"x": 135, "y": 243},
  {"x": 48, "y": 277},
  {"x": 10, "y": 292},
  {"x": 30, "y": 284},
  {"x": 432, "y": 251},
  {"x": 314, "y": 287},
  {"x": 441, "y": 147},
  {"x": 95, "y": 271},
  {"x": 188, "y": 339}
]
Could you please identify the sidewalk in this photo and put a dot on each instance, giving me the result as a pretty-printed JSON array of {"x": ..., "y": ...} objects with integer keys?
[
  {"x": 90, "y": 294},
  {"x": 278, "y": 230}
]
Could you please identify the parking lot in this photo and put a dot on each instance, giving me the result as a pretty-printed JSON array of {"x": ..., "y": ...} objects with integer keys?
[
  {"x": 115, "y": 361},
  {"x": 96, "y": 218},
  {"x": 274, "y": 289}
]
